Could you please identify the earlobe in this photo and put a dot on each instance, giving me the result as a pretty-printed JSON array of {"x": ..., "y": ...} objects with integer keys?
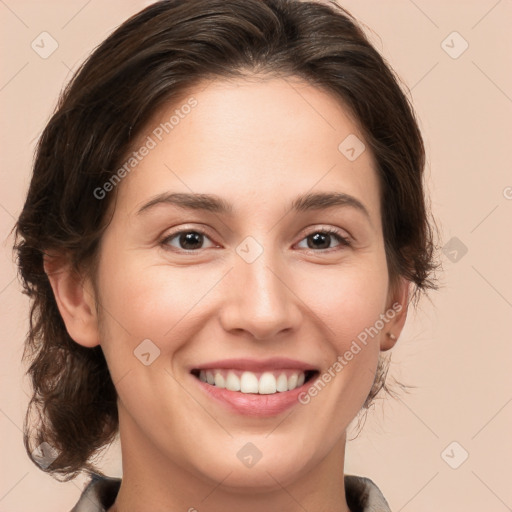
[
  {"x": 397, "y": 308},
  {"x": 75, "y": 299}
]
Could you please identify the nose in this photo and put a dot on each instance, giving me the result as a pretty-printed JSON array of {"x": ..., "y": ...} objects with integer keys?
[{"x": 259, "y": 300}]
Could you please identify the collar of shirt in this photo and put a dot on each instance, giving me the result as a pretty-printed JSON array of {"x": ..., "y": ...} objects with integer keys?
[{"x": 361, "y": 493}]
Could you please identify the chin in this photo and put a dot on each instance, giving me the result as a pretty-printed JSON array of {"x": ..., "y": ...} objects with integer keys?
[{"x": 245, "y": 467}]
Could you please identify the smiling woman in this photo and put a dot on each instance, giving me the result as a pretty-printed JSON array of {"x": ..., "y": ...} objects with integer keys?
[{"x": 224, "y": 302}]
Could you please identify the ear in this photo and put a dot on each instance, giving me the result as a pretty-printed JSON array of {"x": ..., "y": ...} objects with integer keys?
[
  {"x": 398, "y": 303},
  {"x": 75, "y": 299}
]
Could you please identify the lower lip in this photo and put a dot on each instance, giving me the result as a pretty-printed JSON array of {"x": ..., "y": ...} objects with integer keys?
[{"x": 252, "y": 404}]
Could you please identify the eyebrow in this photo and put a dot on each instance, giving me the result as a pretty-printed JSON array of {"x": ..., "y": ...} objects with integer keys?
[{"x": 215, "y": 204}]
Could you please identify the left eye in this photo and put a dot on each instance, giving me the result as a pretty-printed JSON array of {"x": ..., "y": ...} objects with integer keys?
[{"x": 321, "y": 239}]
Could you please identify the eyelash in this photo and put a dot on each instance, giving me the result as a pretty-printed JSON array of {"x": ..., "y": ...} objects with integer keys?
[{"x": 343, "y": 241}]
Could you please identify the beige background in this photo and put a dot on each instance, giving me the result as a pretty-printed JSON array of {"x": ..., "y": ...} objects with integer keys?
[{"x": 457, "y": 349}]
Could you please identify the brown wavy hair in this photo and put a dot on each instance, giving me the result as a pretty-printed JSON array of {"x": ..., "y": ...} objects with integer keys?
[{"x": 157, "y": 56}]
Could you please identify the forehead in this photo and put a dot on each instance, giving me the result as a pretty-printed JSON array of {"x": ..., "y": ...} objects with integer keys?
[{"x": 252, "y": 140}]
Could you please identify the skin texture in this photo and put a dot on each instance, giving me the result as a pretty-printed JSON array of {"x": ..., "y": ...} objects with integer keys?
[{"x": 258, "y": 144}]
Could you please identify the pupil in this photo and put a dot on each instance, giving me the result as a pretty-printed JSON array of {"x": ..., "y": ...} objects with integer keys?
[
  {"x": 319, "y": 237},
  {"x": 190, "y": 238}
]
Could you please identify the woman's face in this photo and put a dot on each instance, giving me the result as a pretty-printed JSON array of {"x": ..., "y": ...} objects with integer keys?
[{"x": 262, "y": 277}]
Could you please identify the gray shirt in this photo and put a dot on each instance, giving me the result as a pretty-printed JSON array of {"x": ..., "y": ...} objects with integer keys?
[{"x": 361, "y": 493}]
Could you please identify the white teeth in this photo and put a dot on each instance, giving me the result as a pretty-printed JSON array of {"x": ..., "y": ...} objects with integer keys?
[
  {"x": 248, "y": 383},
  {"x": 232, "y": 382},
  {"x": 292, "y": 381},
  {"x": 268, "y": 383},
  {"x": 282, "y": 383},
  {"x": 220, "y": 382}
]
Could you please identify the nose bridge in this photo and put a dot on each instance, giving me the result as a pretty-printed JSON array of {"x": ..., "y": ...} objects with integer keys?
[{"x": 259, "y": 302}]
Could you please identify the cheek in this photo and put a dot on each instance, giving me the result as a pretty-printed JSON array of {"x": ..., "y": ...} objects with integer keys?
[
  {"x": 161, "y": 303},
  {"x": 347, "y": 300},
  {"x": 349, "y": 304},
  {"x": 150, "y": 301}
]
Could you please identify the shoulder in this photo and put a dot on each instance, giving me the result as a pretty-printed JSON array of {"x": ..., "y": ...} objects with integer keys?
[
  {"x": 99, "y": 495},
  {"x": 363, "y": 495}
]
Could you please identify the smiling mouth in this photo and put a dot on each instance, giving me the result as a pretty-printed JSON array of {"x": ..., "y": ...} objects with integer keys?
[{"x": 261, "y": 383}]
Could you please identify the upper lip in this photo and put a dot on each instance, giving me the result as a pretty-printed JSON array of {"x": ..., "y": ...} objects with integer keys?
[{"x": 254, "y": 365}]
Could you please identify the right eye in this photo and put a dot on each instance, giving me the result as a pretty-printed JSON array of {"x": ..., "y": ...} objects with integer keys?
[{"x": 189, "y": 240}]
